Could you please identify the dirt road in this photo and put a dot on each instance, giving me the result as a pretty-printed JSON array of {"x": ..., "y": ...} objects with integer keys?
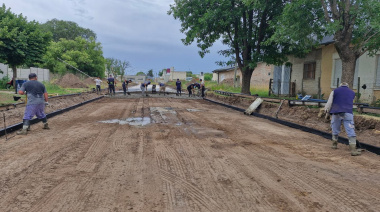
[{"x": 163, "y": 154}]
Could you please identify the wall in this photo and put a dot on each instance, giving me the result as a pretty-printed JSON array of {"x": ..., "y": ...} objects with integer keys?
[
  {"x": 308, "y": 86},
  {"x": 42, "y": 74},
  {"x": 260, "y": 76},
  {"x": 327, "y": 70},
  {"x": 174, "y": 75}
]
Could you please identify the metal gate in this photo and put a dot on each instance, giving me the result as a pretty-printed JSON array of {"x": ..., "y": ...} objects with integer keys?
[{"x": 281, "y": 80}]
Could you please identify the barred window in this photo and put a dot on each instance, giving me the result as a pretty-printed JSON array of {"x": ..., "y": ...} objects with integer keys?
[{"x": 309, "y": 70}]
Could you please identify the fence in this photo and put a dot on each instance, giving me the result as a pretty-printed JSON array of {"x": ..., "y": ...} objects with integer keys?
[{"x": 42, "y": 74}]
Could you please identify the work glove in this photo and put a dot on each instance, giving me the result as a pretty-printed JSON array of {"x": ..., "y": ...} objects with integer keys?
[{"x": 47, "y": 104}]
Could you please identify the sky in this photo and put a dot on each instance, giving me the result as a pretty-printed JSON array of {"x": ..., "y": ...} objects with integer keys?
[{"x": 138, "y": 31}]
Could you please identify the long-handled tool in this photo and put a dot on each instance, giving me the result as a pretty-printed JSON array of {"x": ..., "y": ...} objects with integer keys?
[{"x": 5, "y": 127}]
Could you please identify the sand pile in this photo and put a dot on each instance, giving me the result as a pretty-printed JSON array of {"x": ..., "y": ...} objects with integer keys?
[
  {"x": 90, "y": 81},
  {"x": 70, "y": 81},
  {"x": 228, "y": 81}
]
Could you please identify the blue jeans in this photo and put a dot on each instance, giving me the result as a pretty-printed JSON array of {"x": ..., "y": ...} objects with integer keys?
[{"x": 348, "y": 122}]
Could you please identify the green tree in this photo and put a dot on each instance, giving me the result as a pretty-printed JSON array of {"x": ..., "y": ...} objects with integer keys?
[
  {"x": 243, "y": 27},
  {"x": 86, "y": 55},
  {"x": 354, "y": 24},
  {"x": 67, "y": 29},
  {"x": 117, "y": 67},
  {"x": 150, "y": 73},
  {"x": 160, "y": 73},
  {"x": 140, "y": 73},
  {"x": 21, "y": 42},
  {"x": 208, "y": 76},
  {"x": 189, "y": 73}
]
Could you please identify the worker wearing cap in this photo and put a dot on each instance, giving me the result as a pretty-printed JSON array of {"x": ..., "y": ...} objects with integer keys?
[
  {"x": 340, "y": 106},
  {"x": 37, "y": 99},
  {"x": 179, "y": 87}
]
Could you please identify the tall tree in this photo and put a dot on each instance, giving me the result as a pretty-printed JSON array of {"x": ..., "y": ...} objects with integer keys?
[
  {"x": 150, "y": 73},
  {"x": 21, "y": 42},
  {"x": 243, "y": 27},
  {"x": 85, "y": 55},
  {"x": 67, "y": 29},
  {"x": 355, "y": 25},
  {"x": 117, "y": 67}
]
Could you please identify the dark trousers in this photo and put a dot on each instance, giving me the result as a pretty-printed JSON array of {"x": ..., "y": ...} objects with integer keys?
[
  {"x": 189, "y": 90},
  {"x": 203, "y": 91},
  {"x": 98, "y": 88},
  {"x": 111, "y": 88},
  {"x": 179, "y": 90}
]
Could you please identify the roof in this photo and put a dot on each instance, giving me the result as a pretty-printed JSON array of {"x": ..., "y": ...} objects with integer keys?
[
  {"x": 223, "y": 69},
  {"x": 327, "y": 40}
]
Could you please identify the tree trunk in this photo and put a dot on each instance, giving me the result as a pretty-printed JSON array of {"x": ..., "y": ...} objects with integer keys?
[
  {"x": 246, "y": 79},
  {"x": 348, "y": 57},
  {"x": 14, "y": 68}
]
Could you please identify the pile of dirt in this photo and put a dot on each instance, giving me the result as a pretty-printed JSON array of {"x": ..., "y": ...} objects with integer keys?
[
  {"x": 228, "y": 81},
  {"x": 70, "y": 81},
  {"x": 89, "y": 81},
  {"x": 367, "y": 128}
]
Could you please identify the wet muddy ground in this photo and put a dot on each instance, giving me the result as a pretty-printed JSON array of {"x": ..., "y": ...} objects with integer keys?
[{"x": 177, "y": 154}]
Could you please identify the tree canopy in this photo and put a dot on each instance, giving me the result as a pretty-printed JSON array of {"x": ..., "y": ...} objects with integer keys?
[
  {"x": 67, "y": 29},
  {"x": 354, "y": 24},
  {"x": 150, "y": 73},
  {"x": 21, "y": 42},
  {"x": 117, "y": 67},
  {"x": 86, "y": 55},
  {"x": 244, "y": 27}
]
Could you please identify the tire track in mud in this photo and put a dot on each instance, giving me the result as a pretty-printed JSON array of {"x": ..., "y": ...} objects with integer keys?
[
  {"x": 192, "y": 191},
  {"x": 99, "y": 147}
]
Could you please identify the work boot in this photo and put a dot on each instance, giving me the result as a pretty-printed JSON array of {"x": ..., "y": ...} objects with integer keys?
[
  {"x": 352, "y": 144},
  {"x": 46, "y": 125},
  {"x": 23, "y": 131},
  {"x": 334, "y": 142},
  {"x": 25, "y": 126}
]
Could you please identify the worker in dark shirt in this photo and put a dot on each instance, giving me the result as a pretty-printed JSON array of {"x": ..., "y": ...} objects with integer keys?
[
  {"x": 179, "y": 87},
  {"x": 190, "y": 88},
  {"x": 111, "y": 85},
  {"x": 125, "y": 86}
]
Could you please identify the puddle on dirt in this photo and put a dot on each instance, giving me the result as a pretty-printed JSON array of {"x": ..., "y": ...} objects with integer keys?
[
  {"x": 193, "y": 110},
  {"x": 163, "y": 110},
  {"x": 138, "y": 121}
]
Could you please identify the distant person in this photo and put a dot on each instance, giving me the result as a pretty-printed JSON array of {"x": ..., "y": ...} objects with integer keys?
[
  {"x": 97, "y": 83},
  {"x": 125, "y": 86},
  {"x": 202, "y": 87},
  {"x": 162, "y": 88},
  {"x": 340, "y": 106},
  {"x": 37, "y": 99},
  {"x": 190, "y": 89},
  {"x": 144, "y": 87},
  {"x": 179, "y": 87},
  {"x": 111, "y": 85}
]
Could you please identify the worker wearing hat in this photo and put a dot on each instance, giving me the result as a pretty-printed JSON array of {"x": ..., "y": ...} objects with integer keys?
[
  {"x": 340, "y": 106},
  {"x": 37, "y": 99}
]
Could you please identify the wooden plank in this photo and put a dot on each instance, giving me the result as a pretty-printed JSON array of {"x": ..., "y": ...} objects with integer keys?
[{"x": 370, "y": 110}]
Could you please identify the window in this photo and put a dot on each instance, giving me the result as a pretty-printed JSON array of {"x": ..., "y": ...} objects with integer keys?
[
  {"x": 309, "y": 70},
  {"x": 378, "y": 71}
]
